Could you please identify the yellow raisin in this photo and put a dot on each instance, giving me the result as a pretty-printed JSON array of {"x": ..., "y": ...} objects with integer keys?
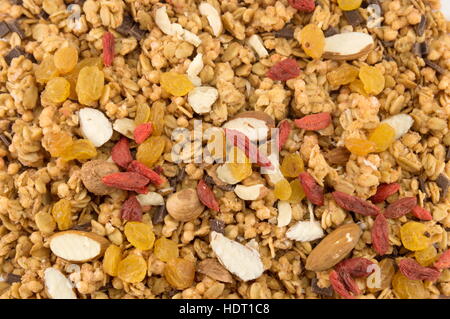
[
  {"x": 165, "y": 249},
  {"x": 142, "y": 114},
  {"x": 57, "y": 142},
  {"x": 372, "y": 79},
  {"x": 292, "y": 165},
  {"x": 66, "y": 59},
  {"x": 151, "y": 150},
  {"x": 344, "y": 74},
  {"x": 383, "y": 137},
  {"x": 72, "y": 77},
  {"x": 111, "y": 260},
  {"x": 80, "y": 150},
  {"x": 46, "y": 70},
  {"x": 360, "y": 146},
  {"x": 426, "y": 256},
  {"x": 312, "y": 41},
  {"x": 282, "y": 190},
  {"x": 57, "y": 90},
  {"x": 297, "y": 192},
  {"x": 349, "y": 5},
  {"x": 358, "y": 87},
  {"x": 132, "y": 269},
  {"x": 180, "y": 273},
  {"x": 176, "y": 84},
  {"x": 157, "y": 117},
  {"x": 414, "y": 236},
  {"x": 62, "y": 214},
  {"x": 239, "y": 164},
  {"x": 140, "y": 235},
  {"x": 409, "y": 289},
  {"x": 90, "y": 85}
]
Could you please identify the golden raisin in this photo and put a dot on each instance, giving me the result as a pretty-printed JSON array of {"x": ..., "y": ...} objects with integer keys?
[
  {"x": 165, "y": 249},
  {"x": 312, "y": 41},
  {"x": 358, "y": 87},
  {"x": 151, "y": 150},
  {"x": 58, "y": 142},
  {"x": 349, "y": 5},
  {"x": 359, "y": 146},
  {"x": 140, "y": 235},
  {"x": 157, "y": 117},
  {"x": 426, "y": 256},
  {"x": 90, "y": 85},
  {"x": 57, "y": 90},
  {"x": 111, "y": 260},
  {"x": 372, "y": 79},
  {"x": 297, "y": 192},
  {"x": 62, "y": 214},
  {"x": 344, "y": 74},
  {"x": 132, "y": 269},
  {"x": 46, "y": 70},
  {"x": 66, "y": 59},
  {"x": 292, "y": 165},
  {"x": 282, "y": 190},
  {"x": 409, "y": 289},
  {"x": 383, "y": 137},
  {"x": 176, "y": 84},
  {"x": 414, "y": 236},
  {"x": 72, "y": 77},
  {"x": 80, "y": 150},
  {"x": 142, "y": 114},
  {"x": 239, "y": 164},
  {"x": 180, "y": 273}
]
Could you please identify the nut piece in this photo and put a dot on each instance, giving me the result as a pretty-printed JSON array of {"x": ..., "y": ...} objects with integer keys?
[
  {"x": 253, "y": 192},
  {"x": 95, "y": 126},
  {"x": 202, "y": 98},
  {"x": 92, "y": 173},
  {"x": 212, "y": 268},
  {"x": 150, "y": 199},
  {"x": 284, "y": 213},
  {"x": 125, "y": 127},
  {"x": 57, "y": 285},
  {"x": 254, "y": 124},
  {"x": 78, "y": 246},
  {"x": 305, "y": 231},
  {"x": 401, "y": 123},
  {"x": 243, "y": 261},
  {"x": 256, "y": 43},
  {"x": 334, "y": 247},
  {"x": 225, "y": 175},
  {"x": 213, "y": 17},
  {"x": 184, "y": 205},
  {"x": 195, "y": 67},
  {"x": 348, "y": 46}
]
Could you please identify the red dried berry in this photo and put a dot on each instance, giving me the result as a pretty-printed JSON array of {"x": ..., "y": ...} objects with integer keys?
[
  {"x": 206, "y": 196},
  {"x": 142, "y": 132},
  {"x": 355, "y": 204},
  {"x": 303, "y": 5},
  {"x": 444, "y": 260},
  {"x": 121, "y": 154},
  {"x": 356, "y": 267},
  {"x": 158, "y": 169},
  {"x": 384, "y": 191},
  {"x": 313, "y": 191},
  {"x": 284, "y": 70},
  {"x": 138, "y": 167},
  {"x": 338, "y": 285},
  {"x": 314, "y": 122},
  {"x": 380, "y": 235},
  {"x": 108, "y": 48},
  {"x": 284, "y": 129},
  {"x": 131, "y": 209},
  {"x": 400, "y": 207},
  {"x": 411, "y": 269},
  {"x": 350, "y": 283},
  {"x": 129, "y": 181},
  {"x": 421, "y": 213}
]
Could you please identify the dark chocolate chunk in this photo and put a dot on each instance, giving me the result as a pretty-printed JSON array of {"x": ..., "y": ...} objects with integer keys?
[
  {"x": 15, "y": 27},
  {"x": 435, "y": 66},
  {"x": 447, "y": 156},
  {"x": 174, "y": 181},
  {"x": 159, "y": 213},
  {"x": 328, "y": 291},
  {"x": 420, "y": 49},
  {"x": 331, "y": 31},
  {"x": 137, "y": 32},
  {"x": 422, "y": 185},
  {"x": 17, "y": 2},
  {"x": 443, "y": 182},
  {"x": 227, "y": 187},
  {"x": 5, "y": 140},
  {"x": 82, "y": 227},
  {"x": 420, "y": 29},
  {"x": 287, "y": 32},
  {"x": 4, "y": 29},
  {"x": 353, "y": 17},
  {"x": 209, "y": 180},
  {"x": 14, "y": 53},
  {"x": 217, "y": 225},
  {"x": 43, "y": 15},
  {"x": 12, "y": 278},
  {"x": 127, "y": 24},
  {"x": 388, "y": 44}
]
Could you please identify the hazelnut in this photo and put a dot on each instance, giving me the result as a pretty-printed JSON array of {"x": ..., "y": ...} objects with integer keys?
[
  {"x": 184, "y": 205},
  {"x": 92, "y": 173}
]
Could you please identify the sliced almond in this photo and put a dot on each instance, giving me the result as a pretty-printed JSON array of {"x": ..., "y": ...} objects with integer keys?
[
  {"x": 243, "y": 261},
  {"x": 225, "y": 175},
  {"x": 212, "y": 268},
  {"x": 202, "y": 98},
  {"x": 401, "y": 123},
  {"x": 306, "y": 230},
  {"x": 348, "y": 46},
  {"x": 57, "y": 285},
  {"x": 253, "y": 192},
  {"x": 77, "y": 246},
  {"x": 95, "y": 126},
  {"x": 125, "y": 127},
  {"x": 150, "y": 199},
  {"x": 284, "y": 213},
  {"x": 213, "y": 17},
  {"x": 253, "y": 124},
  {"x": 194, "y": 68},
  {"x": 257, "y": 44}
]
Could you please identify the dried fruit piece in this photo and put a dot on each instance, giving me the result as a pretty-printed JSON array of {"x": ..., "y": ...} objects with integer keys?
[
  {"x": 238, "y": 164},
  {"x": 108, "y": 48},
  {"x": 165, "y": 249},
  {"x": 297, "y": 192},
  {"x": 180, "y": 273},
  {"x": 176, "y": 84},
  {"x": 414, "y": 271},
  {"x": 400, "y": 207},
  {"x": 243, "y": 143},
  {"x": 46, "y": 70},
  {"x": 409, "y": 289},
  {"x": 421, "y": 213},
  {"x": 139, "y": 235},
  {"x": 282, "y": 190},
  {"x": 111, "y": 260},
  {"x": 128, "y": 181},
  {"x": 80, "y": 150},
  {"x": 312, "y": 40},
  {"x": 121, "y": 154},
  {"x": 383, "y": 136},
  {"x": 355, "y": 204},
  {"x": 131, "y": 209},
  {"x": 344, "y": 74},
  {"x": 156, "y": 117},
  {"x": 338, "y": 285},
  {"x": 292, "y": 165},
  {"x": 142, "y": 132},
  {"x": 444, "y": 260},
  {"x": 426, "y": 256},
  {"x": 384, "y": 191},
  {"x": 303, "y": 5},
  {"x": 372, "y": 78},
  {"x": 349, "y": 5},
  {"x": 90, "y": 83},
  {"x": 356, "y": 267},
  {"x": 359, "y": 146},
  {"x": 283, "y": 134},
  {"x": 66, "y": 59},
  {"x": 57, "y": 142},
  {"x": 151, "y": 150},
  {"x": 338, "y": 156},
  {"x": 314, "y": 122},
  {"x": 358, "y": 87},
  {"x": 414, "y": 236},
  {"x": 137, "y": 167},
  {"x": 72, "y": 77},
  {"x": 57, "y": 90},
  {"x": 380, "y": 235},
  {"x": 401, "y": 124},
  {"x": 313, "y": 191},
  {"x": 142, "y": 114},
  {"x": 206, "y": 196},
  {"x": 284, "y": 70},
  {"x": 62, "y": 213},
  {"x": 132, "y": 269}
]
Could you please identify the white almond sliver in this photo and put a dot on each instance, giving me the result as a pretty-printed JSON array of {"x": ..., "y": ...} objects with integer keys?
[
  {"x": 125, "y": 127},
  {"x": 150, "y": 199},
  {"x": 224, "y": 174},
  {"x": 57, "y": 285},
  {"x": 95, "y": 126},
  {"x": 257, "y": 44},
  {"x": 284, "y": 213},
  {"x": 248, "y": 192},
  {"x": 348, "y": 45},
  {"x": 202, "y": 98},
  {"x": 243, "y": 261},
  {"x": 251, "y": 127},
  {"x": 401, "y": 123},
  {"x": 213, "y": 17},
  {"x": 195, "y": 67},
  {"x": 163, "y": 22},
  {"x": 192, "y": 38},
  {"x": 305, "y": 231}
]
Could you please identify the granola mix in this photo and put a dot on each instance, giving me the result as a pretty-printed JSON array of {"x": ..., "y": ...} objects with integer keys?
[{"x": 354, "y": 201}]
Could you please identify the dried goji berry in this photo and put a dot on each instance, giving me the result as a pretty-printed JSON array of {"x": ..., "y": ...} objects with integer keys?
[
  {"x": 206, "y": 196},
  {"x": 108, "y": 48},
  {"x": 313, "y": 191},
  {"x": 355, "y": 204},
  {"x": 121, "y": 154},
  {"x": 350, "y": 283},
  {"x": 284, "y": 128},
  {"x": 314, "y": 122},
  {"x": 400, "y": 207},
  {"x": 444, "y": 260},
  {"x": 384, "y": 191},
  {"x": 411, "y": 269},
  {"x": 284, "y": 70},
  {"x": 138, "y": 167},
  {"x": 142, "y": 132},
  {"x": 356, "y": 267},
  {"x": 303, "y": 5},
  {"x": 131, "y": 209},
  {"x": 129, "y": 181},
  {"x": 380, "y": 235},
  {"x": 338, "y": 285},
  {"x": 421, "y": 213}
]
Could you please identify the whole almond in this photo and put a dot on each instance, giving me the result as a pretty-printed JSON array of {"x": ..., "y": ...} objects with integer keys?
[
  {"x": 334, "y": 247},
  {"x": 184, "y": 205}
]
